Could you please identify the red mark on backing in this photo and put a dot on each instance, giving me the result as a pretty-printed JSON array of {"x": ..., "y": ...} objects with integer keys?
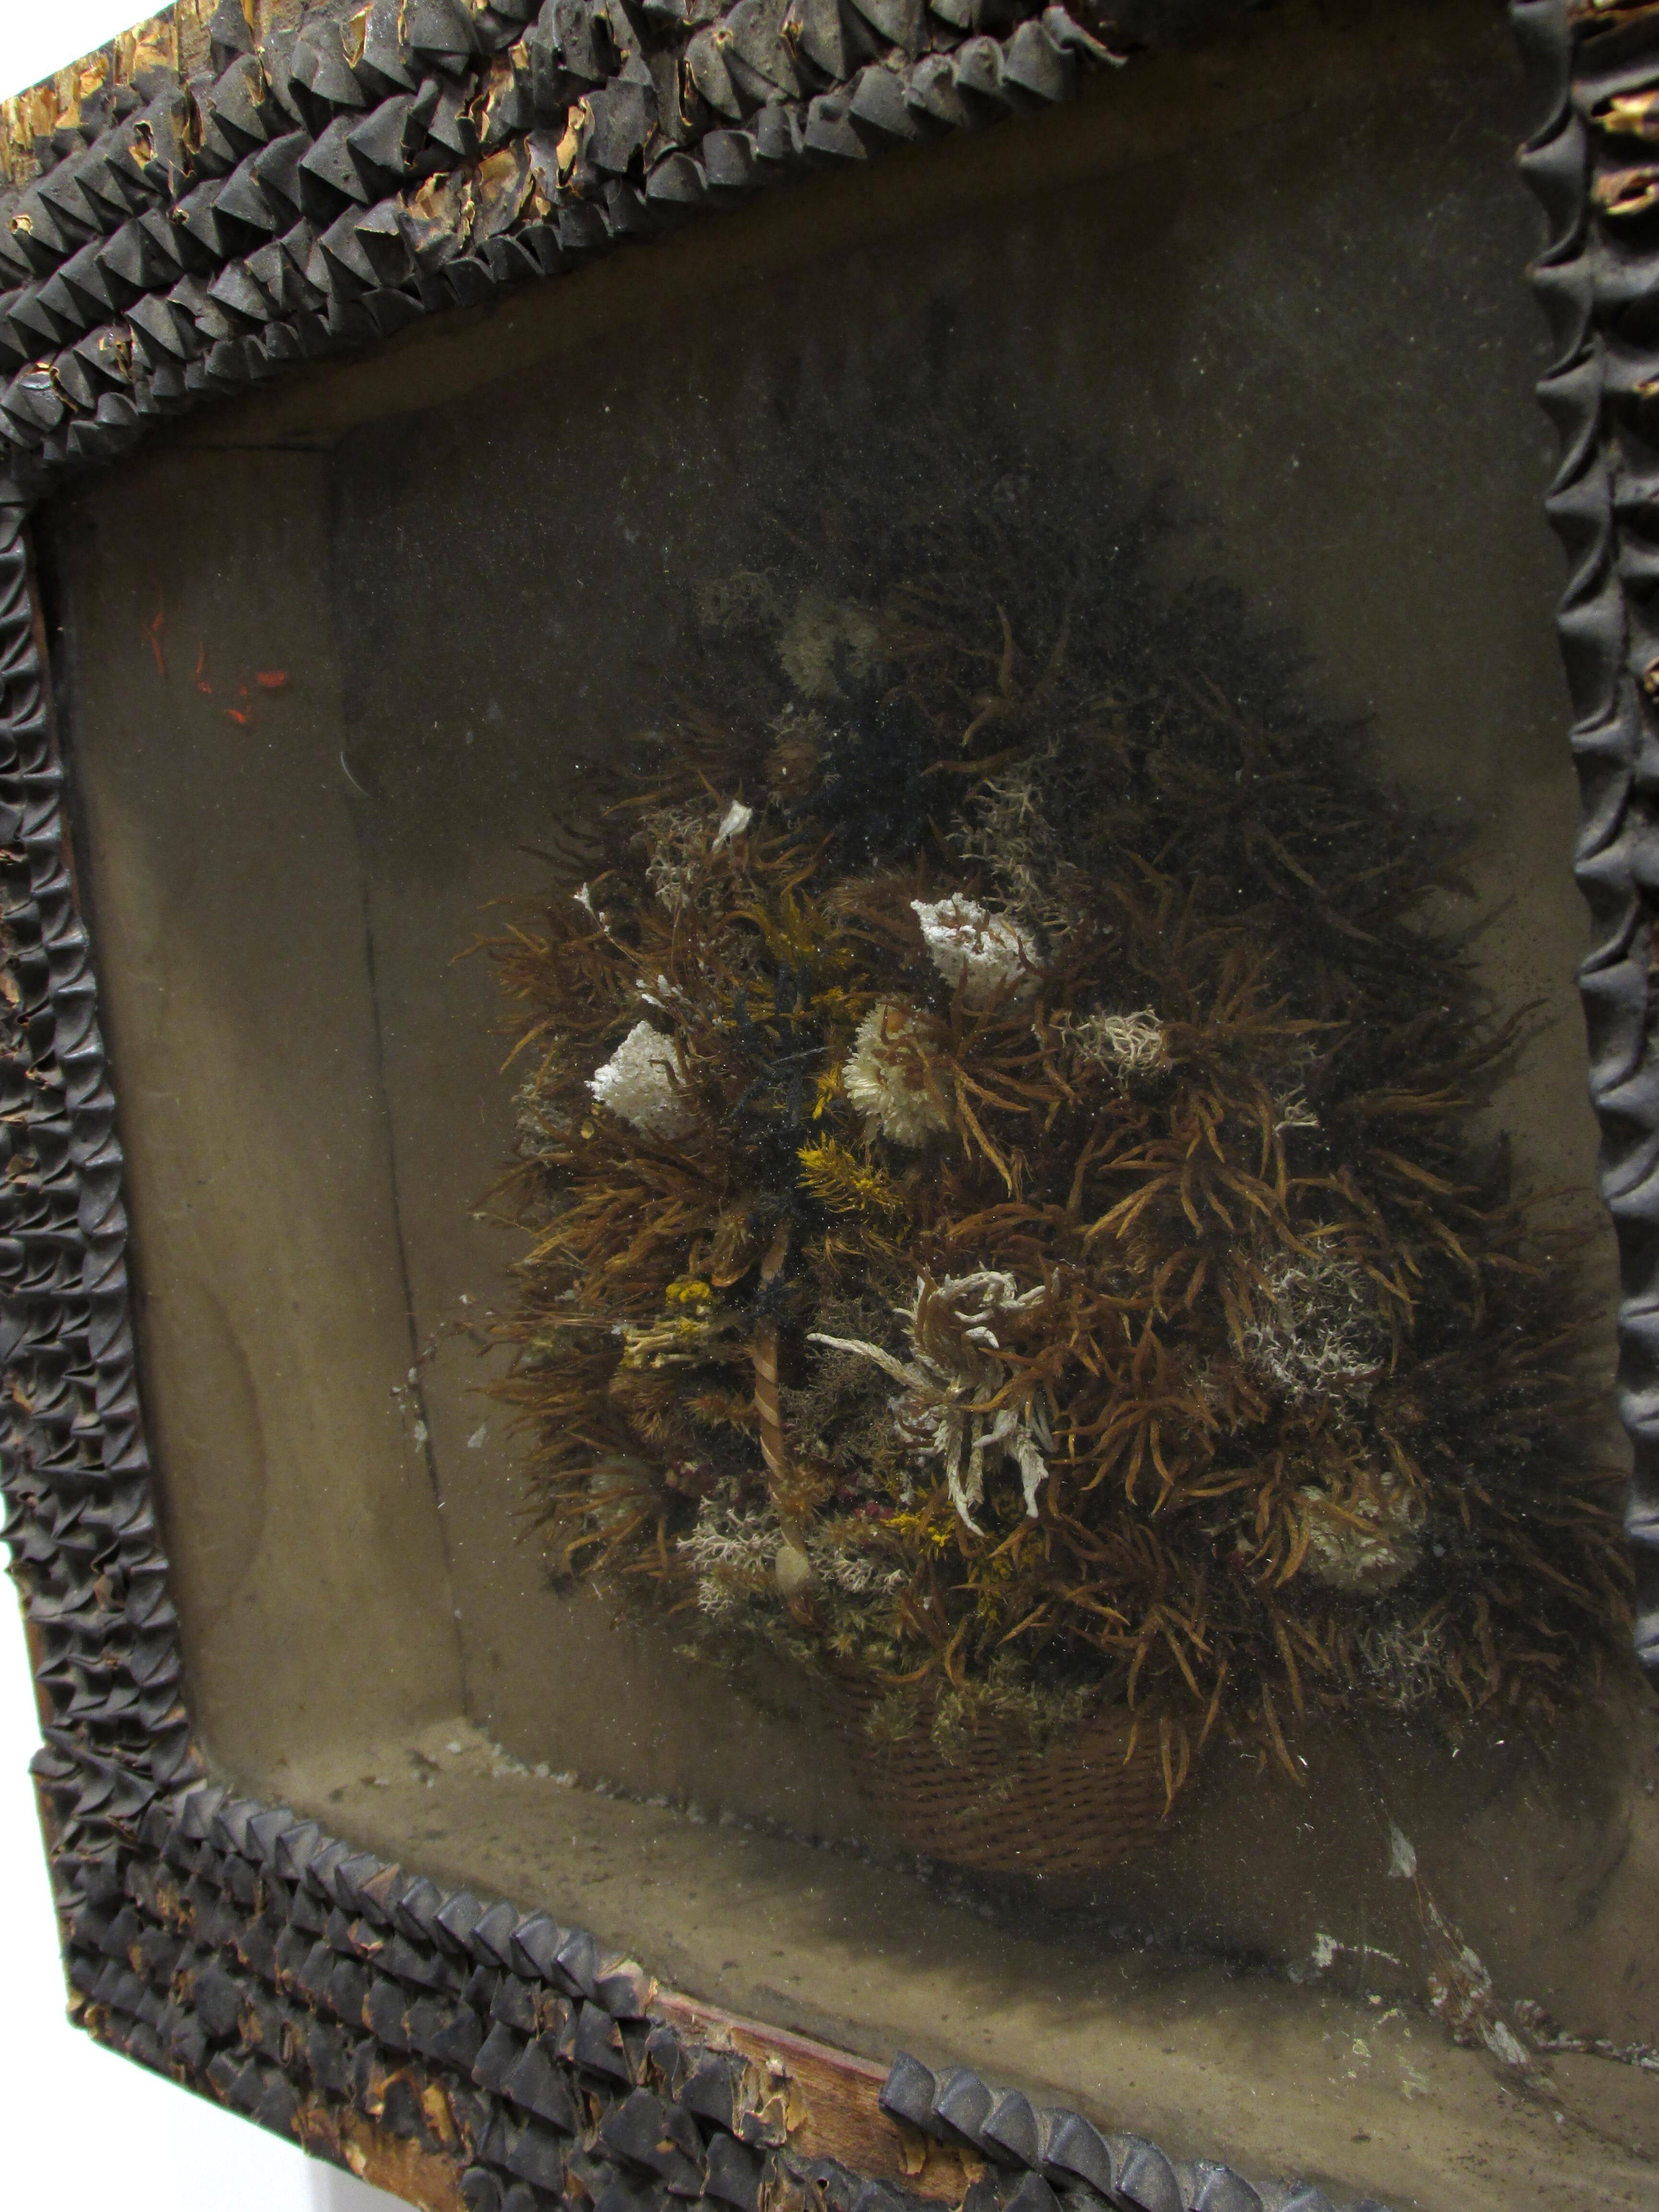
[{"x": 153, "y": 629}]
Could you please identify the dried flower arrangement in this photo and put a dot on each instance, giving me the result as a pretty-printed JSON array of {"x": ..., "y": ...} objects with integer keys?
[{"x": 1008, "y": 1230}]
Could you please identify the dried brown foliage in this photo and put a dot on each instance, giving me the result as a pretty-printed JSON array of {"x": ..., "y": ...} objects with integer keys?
[{"x": 1287, "y": 1372}]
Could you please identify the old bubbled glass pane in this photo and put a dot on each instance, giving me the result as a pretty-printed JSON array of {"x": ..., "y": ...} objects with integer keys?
[{"x": 1000, "y": 728}]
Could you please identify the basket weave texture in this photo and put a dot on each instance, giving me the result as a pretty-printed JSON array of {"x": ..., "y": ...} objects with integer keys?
[{"x": 1003, "y": 1805}]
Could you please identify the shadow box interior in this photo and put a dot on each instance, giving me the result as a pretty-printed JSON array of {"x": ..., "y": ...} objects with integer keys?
[{"x": 352, "y": 676}]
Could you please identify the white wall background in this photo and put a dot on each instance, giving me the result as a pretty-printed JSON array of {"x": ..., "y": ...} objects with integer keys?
[{"x": 84, "y": 2127}]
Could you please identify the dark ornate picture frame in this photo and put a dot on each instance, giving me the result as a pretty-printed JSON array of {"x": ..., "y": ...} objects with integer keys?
[{"x": 219, "y": 210}]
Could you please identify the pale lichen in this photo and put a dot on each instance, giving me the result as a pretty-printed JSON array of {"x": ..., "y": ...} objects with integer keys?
[
  {"x": 824, "y": 638},
  {"x": 1404, "y": 1661},
  {"x": 683, "y": 846},
  {"x": 1125, "y": 1045},
  {"x": 1317, "y": 1332},
  {"x": 741, "y": 1553},
  {"x": 1009, "y": 829}
]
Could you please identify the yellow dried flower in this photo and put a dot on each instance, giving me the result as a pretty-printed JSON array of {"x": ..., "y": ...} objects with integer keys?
[
  {"x": 837, "y": 1178},
  {"x": 927, "y": 1534}
]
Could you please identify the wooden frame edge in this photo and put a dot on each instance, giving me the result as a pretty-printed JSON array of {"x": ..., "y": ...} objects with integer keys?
[{"x": 459, "y": 2052}]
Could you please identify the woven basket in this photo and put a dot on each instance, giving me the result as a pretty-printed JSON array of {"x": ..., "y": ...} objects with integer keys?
[{"x": 1000, "y": 1805}]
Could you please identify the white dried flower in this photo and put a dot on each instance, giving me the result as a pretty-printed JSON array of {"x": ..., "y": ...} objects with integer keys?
[
  {"x": 1368, "y": 1543},
  {"x": 949, "y": 1409},
  {"x": 640, "y": 1083},
  {"x": 886, "y": 1076},
  {"x": 735, "y": 820},
  {"x": 658, "y": 994},
  {"x": 983, "y": 954},
  {"x": 1123, "y": 1044}
]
